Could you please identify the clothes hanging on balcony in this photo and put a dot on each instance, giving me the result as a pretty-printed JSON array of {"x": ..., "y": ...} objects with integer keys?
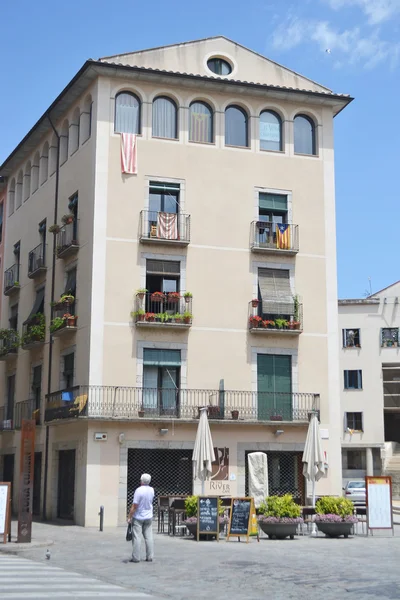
[
  {"x": 167, "y": 226},
  {"x": 283, "y": 236},
  {"x": 128, "y": 153},
  {"x": 276, "y": 295}
]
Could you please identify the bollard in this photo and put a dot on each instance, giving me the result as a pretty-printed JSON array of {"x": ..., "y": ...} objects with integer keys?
[{"x": 101, "y": 513}]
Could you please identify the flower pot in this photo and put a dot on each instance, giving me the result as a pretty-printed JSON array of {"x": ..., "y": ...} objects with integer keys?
[
  {"x": 71, "y": 321},
  {"x": 275, "y": 418},
  {"x": 157, "y": 298},
  {"x": 254, "y": 324},
  {"x": 173, "y": 299},
  {"x": 141, "y": 413},
  {"x": 150, "y": 319},
  {"x": 187, "y": 299},
  {"x": 279, "y": 531},
  {"x": 187, "y": 320},
  {"x": 334, "y": 530},
  {"x": 235, "y": 414},
  {"x": 140, "y": 295},
  {"x": 140, "y": 317},
  {"x": 254, "y": 303}
]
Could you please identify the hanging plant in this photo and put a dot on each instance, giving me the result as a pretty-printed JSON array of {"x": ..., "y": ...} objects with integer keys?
[
  {"x": 54, "y": 228},
  {"x": 67, "y": 219}
]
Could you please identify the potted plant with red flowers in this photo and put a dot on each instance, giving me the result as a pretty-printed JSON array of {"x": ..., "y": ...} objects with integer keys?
[
  {"x": 149, "y": 317},
  {"x": 157, "y": 297},
  {"x": 269, "y": 324},
  {"x": 67, "y": 219},
  {"x": 255, "y": 321},
  {"x": 254, "y": 302},
  {"x": 173, "y": 297}
]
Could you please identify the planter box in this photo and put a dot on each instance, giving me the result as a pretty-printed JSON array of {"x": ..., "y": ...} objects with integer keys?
[
  {"x": 279, "y": 531},
  {"x": 334, "y": 530}
]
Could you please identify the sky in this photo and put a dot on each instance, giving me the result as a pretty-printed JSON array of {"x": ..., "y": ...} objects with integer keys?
[{"x": 44, "y": 43}]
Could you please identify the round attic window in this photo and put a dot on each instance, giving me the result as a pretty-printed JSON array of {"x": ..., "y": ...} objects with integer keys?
[{"x": 219, "y": 66}]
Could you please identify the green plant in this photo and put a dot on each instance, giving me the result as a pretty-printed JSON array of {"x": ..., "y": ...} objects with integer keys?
[
  {"x": 66, "y": 298},
  {"x": 188, "y": 295},
  {"x": 54, "y": 228},
  {"x": 138, "y": 313},
  {"x": 187, "y": 315},
  {"x": 328, "y": 505},
  {"x": 11, "y": 340},
  {"x": 281, "y": 323},
  {"x": 36, "y": 331},
  {"x": 56, "y": 323},
  {"x": 280, "y": 507},
  {"x": 68, "y": 218},
  {"x": 177, "y": 316},
  {"x": 141, "y": 291},
  {"x": 191, "y": 506},
  {"x": 296, "y": 307}
]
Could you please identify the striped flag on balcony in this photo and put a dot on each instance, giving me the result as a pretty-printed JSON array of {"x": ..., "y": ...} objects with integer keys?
[
  {"x": 128, "y": 153},
  {"x": 167, "y": 226},
  {"x": 283, "y": 236}
]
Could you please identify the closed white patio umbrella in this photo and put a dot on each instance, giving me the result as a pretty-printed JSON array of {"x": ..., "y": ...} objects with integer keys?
[
  {"x": 313, "y": 456},
  {"x": 203, "y": 452}
]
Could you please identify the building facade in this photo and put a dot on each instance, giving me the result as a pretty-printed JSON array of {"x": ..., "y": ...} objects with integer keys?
[
  {"x": 204, "y": 276},
  {"x": 370, "y": 376}
]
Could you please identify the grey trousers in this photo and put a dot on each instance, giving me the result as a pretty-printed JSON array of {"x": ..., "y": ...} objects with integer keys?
[{"x": 144, "y": 528}]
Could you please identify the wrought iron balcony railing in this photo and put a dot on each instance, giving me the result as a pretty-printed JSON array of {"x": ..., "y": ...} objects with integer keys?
[
  {"x": 67, "y": 240},
  {"x": 65, "y": 318},
  {"x": 9, "y": 343},
  {"x": 26, "y": 410},
  {"x": 163, "y": 310},
  {"x": 127, "y": 403},
  {"x": 166, "y": 228},
  {"x": 274, "y": 237},
  {"x": 37, "y": 261},
  {"x": 11, "y": 280},
  {"x": 6, "y": 419},
  {"x": 286, "y": 319},
  {"x": 34, "y": 332}
]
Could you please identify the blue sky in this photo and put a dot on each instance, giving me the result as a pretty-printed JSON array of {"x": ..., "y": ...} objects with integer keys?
[{"x": 43, "y": 44}]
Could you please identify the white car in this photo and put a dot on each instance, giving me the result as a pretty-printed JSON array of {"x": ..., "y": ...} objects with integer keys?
[{"x": 355, "y": 491}]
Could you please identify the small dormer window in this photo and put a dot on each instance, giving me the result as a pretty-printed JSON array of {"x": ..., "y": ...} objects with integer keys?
[{"x": 219, "y": 66}]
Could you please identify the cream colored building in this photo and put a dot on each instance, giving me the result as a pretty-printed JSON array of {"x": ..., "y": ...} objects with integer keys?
[
  {"x": 370, "y": 382},
  {"x": 232, "y": 201}
]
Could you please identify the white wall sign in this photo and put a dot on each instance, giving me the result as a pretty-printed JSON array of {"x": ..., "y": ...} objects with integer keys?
[
  {"x": 4, "y": 491},
  {"x": 379, "y": 502}
]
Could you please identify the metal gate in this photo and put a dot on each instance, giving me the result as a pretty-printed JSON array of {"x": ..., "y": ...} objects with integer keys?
[
  {"x": 66, "y": 484},
  {"x": 170, "y": 470},
  {"x": 285, "y": 474}
]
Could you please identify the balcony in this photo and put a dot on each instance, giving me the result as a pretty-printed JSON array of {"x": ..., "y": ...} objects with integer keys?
[
  {"x": 9, "y": 343},
  {"x": 33, "y": 332},
  {"x": 67, "y": 240},
  {"x": 26, "y": 410},
  {"x": 164, "y": 228},
  {"x": 6, "y": 423},
  {"x": 37, "y": 261},
  {"x": 130, "y": 403},
  {"x": 65, "y": 319},
  {"x": 173, "y": 310},
  {"x": 267, "y": 238},
  {"x": 280, "y": 322},
  {"x": 11, "y": 280}
]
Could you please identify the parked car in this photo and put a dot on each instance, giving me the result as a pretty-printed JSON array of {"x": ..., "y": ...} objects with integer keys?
[{"x": 355, "y": 491}]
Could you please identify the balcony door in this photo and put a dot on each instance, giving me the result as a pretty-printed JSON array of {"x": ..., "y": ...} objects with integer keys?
[
  {"x": 161, "y": 380},
  {"x": 163, "y": 201},
  {"x": 274, "y": 387},
  {"x": 10, "y": 398}
]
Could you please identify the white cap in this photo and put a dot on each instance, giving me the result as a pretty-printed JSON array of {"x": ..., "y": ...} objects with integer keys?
[{"x": 145, "y": 478}]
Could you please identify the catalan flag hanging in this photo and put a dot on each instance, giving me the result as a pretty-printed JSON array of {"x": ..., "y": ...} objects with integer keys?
[{"x": 283, "y": 236}]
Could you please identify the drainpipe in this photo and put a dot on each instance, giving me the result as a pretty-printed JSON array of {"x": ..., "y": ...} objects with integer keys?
[{"x": 53, "y": 279}]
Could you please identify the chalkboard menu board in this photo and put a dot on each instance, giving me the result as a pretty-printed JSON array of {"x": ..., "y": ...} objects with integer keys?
[
  {"x": 207, "y": 516},
  {"x": 239, "y": 523}
]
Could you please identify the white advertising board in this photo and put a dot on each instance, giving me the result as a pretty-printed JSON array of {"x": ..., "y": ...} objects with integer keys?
[
  {"x": 4, "y": 491},
  {"x": 379, "y": 502}
]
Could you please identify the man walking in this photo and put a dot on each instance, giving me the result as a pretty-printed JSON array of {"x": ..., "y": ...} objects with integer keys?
[{"x": 141, "y": 514}]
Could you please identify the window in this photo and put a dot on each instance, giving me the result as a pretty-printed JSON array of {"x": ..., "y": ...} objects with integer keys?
[
  {"x": 53, "y": 155},
  {"x": 70, "y": 287},
  {"x": 1, "y": 221},
  {"x": 236, "y": 127},
  {"x": 74, "y": 132},
  {"x": 274, "y": 386},
  {"x": 44, "y": 164},
  {"x": 270, "y": 131},
  {"x": 17, "y": 258},
  {"x": 162, "y": 276},
  {"x": 11, "y": 197},
  {"x": 389, "y": 337},
  {"x": 351, "y": 338},
  {"x": 10, "y": 397},
  {"x": 13, "y": 320},
  {"x": 27, "y": 181},
  {"x": 73, "y": 209},
  {"x": 127, "y": 113},
  {"x": 275, "y": 294},
  {"x": 353, "y": 380},
  {"x": 272, "y": 211},
  {"x": 35, "y": 173},
  {"x": 356, "y": 460},
  {"x": 37, "y": 386},
  {"x": 64, "y": 143},
  {"x": 391, "y": 385},
  {"x": 86, "y": 119},
  {"x": 200, "y": 123},
  {"x": 165, "y": 119},
  {"x": 219, "y": 66},
  {"x": 68, "y": 367},
  {"x": 354, "y": 421},
  {"x": 38, "y": 306},
  {"x": 161, "y": 380},
  {"x": 18, "y": 193},
  {"x": 304, "y": 135}
]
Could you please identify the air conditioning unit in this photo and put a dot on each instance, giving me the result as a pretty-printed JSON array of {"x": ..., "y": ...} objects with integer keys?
[{"x": 100, "y": 437}]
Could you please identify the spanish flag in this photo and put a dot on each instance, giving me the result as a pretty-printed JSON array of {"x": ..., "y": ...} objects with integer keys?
[{"x": 283, "y": 236}]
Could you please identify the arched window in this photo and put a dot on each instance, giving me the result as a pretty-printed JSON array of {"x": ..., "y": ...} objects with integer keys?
[
  {"x": 18, "y": 190},
  {"x": 86, "y": 119},
  {"x": 11, "y": 197},
  {"x": 165, "y": 118},
  {"x": 44, "y": 164},
  {"x": 219, "y": 66},
  {"x": 74, "y": 132},
  {"x": 27, "y": 181},
  {"x": 53, "y": 155},
  {"x": 236, "y": 127},
  {"x": 270, "y": 131},
  {"x": 127, "y": 113},
  {"x": 201, "y": 123},
  {"x": 35, "y": 173},
  {"x": 64, "y": 142},
  {"x": 304, "y": 135}
]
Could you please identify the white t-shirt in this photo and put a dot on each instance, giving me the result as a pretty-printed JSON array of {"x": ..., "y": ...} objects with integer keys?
[{"x": 143, "y": 497}]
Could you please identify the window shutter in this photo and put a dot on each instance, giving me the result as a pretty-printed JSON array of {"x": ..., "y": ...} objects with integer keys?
[
  {"x": 38, "y": 305},
  {"x": 272, "y": 201},
  {"x": 161, "y": 358},
  {"x": 70, "y": 286},
  {"x": 69, "y": 360},
  {"x": 346, "y": 380},
  {"x": 156, "y": 186},
  {"x": 359, "y": 378},
  {"x": 163, "y": 267},
  {"x": 276, "y": 296}
]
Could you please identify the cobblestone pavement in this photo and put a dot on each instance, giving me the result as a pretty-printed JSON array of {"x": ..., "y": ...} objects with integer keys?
[{"x": 304, "y": 568}]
